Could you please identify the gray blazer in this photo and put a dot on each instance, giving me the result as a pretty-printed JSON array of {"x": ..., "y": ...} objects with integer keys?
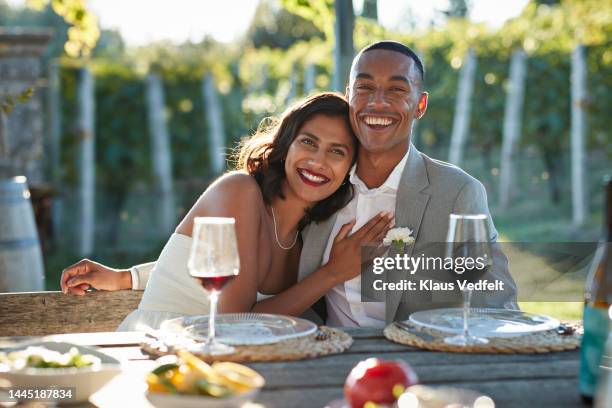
[{"x": 429, "y": 191}]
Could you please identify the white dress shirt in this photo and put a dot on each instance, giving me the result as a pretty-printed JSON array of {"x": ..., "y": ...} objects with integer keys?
[{"x": 344, "y": 306}]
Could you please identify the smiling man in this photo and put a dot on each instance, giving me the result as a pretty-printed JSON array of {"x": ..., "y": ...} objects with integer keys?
[{"x": 386, "y": 94}]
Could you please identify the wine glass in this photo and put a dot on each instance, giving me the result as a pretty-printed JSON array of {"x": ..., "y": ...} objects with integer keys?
[
  {"x": 214, "y": 261},
  {"x": 468, "y": 238}
]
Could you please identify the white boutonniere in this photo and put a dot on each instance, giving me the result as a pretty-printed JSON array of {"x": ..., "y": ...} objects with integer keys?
[{"x": 399, "y": 237}]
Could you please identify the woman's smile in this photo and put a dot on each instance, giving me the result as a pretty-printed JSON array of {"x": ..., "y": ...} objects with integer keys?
[{"x": 312, "y": 178}]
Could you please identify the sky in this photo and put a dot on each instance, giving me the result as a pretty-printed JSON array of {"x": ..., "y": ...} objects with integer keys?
[{"x": 143, "y": 21}]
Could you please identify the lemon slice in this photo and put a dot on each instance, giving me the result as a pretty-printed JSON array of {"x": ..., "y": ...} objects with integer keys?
[
  {"x": 242, "y": 378},
  {"x": 198, "y": 365}
]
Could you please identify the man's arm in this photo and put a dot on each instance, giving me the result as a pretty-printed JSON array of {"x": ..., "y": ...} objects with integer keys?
[{"x": 472, "y": 199}]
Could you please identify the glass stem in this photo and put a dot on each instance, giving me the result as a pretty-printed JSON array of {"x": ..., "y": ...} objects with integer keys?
[
  {"x": 214, "y": 297},
  {"x": 467, "y": 297}
]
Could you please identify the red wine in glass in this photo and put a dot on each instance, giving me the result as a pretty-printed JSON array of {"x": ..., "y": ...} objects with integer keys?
[
  {"x": 214, "y": 262},
  {"x": 215, "y": 283}
]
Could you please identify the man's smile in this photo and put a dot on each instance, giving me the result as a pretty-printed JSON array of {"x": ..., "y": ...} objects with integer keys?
[{"x": 377, "y": 122}]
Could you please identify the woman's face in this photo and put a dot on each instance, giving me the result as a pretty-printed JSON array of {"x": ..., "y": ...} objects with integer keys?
[{"x": 319, "y": 158}]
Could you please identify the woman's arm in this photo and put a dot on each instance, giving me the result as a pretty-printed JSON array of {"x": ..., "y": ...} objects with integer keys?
[
  {"x": 344, "y": 264},
  {"x": 77, "y": 278},
  {"x": 140, "y": 275},
  {"x": 299, "y": 297}
]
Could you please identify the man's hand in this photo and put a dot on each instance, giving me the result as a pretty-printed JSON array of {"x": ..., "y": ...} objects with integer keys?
[
  {"x": 345, "y": 256},
  {"x": 76, "y": 279}
]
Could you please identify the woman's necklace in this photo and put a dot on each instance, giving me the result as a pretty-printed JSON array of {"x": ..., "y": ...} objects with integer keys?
[{"x": 276, "y": 234}]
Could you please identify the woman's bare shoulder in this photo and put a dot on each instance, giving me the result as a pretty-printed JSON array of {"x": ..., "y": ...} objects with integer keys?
[
  {"x": 235, "y": 194},
  {"x": 236, "y": 185}
]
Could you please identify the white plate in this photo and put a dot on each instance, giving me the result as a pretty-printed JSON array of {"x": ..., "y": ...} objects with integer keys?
[
  {"x": 241, "y": 328},
  {"x": 84, "y": 380},
  {"x": 163, "y": 400},
  {"x": 484, "y": 322}
]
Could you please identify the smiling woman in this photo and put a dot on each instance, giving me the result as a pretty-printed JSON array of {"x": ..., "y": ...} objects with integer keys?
[{"x": 313, "y": 146}]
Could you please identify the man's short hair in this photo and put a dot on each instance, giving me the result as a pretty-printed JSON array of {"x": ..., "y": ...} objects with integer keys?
[{"x": 397, "y": 47}]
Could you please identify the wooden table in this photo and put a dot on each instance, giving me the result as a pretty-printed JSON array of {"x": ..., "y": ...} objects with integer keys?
[{"x": 540, "y": 380}]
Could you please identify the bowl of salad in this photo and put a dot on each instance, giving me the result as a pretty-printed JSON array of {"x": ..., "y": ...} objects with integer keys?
[
  {"x": 74, "y": 371},
  {"x": 187, "y": 382}
]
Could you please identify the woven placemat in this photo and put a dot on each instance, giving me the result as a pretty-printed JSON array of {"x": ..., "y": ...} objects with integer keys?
[
  {"x": 324, "y": 342},
  {"x": 540, "y": 342}
]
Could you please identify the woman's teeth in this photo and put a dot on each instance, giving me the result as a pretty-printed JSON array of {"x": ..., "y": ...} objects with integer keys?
[
  {"x": 312, "y": 177},
  {"x": 377, "y": 121}
]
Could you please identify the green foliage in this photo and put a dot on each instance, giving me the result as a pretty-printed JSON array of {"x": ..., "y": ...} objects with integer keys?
[
  {"x": 119, "y": 106},
  {"x": 278, "y": 28},
  {"x": 8, "y": 101},
  {"x": 457, "y": 8},
  {"x": 83, "y": 32},
  {"x": 320, "y": 12},
  {"x": 370, "y": 9},
  {"x": 253, "y": 79}
]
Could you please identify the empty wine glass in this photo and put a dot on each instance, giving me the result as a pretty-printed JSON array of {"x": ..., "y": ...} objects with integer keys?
[
  {"x": 214, "y": 261},
  {"x": 468, "y": 237}
]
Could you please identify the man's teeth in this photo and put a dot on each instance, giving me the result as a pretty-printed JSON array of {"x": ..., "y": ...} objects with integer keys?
[
  {"x": 312, "y": 177},
  {"x": 374, "y": 120}
]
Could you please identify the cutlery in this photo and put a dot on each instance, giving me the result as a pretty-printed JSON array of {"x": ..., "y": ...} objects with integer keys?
[{"x": 565, "y": 329}]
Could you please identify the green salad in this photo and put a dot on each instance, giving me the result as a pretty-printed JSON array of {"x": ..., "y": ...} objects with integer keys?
[{"x": 41, "y": 357}]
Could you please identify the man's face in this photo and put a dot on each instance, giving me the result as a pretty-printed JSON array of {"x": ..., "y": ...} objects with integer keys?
[{"x": 385, "y": 97}]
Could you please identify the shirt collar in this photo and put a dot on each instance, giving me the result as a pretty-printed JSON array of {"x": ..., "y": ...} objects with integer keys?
[{"x": 390, "y": 184}]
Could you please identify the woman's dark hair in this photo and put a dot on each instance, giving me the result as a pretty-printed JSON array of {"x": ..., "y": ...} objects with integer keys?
[{"x": 263, "y": 154}]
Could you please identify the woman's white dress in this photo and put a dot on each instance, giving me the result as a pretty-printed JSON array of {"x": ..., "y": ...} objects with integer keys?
[{"x": 169, "y": 289}]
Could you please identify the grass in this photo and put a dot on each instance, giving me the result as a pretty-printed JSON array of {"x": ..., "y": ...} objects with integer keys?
[{"x": 564, "y": 311}]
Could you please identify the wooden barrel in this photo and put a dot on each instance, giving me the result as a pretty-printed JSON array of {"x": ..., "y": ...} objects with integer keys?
[{"x": 21, "y": 262}]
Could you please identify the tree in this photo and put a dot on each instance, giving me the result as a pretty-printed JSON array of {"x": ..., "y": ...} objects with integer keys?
[
  {"x": 278, "y": 28},
  {"x": 336, "y": 20},
  {"x": 370, "y": 9},
  {"x": 457, "y": 9},
  {"x": 83, "y": 32},
  {"x": 344, "y": 49},
  {"x": 320, "y": 12}
]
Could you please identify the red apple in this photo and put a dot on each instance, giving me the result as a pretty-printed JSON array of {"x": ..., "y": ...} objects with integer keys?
[{"x": 378, "y": 381}]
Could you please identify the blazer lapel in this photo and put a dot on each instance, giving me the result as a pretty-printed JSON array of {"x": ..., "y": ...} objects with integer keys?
[
  {"x": 315, "y": 241},
  {"x": 409, "y": 209}
]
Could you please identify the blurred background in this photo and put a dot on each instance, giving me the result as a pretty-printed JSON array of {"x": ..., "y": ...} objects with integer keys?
[{"x": 135, "y": 106}]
